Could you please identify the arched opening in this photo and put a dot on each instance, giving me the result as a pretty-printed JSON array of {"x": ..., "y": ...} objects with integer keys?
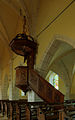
[{"x": 60, "y": 58}]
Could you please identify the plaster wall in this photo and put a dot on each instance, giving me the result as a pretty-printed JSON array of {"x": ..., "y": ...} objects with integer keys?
[{"x": 63, "y": 26}]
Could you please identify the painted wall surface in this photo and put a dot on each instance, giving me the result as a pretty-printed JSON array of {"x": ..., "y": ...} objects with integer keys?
[
  {"x": 63, "y": 26},
  {"x": 5, "y": 82},
  {"x": 73, "y": 85},
  {"x": 62, "y": 87}
]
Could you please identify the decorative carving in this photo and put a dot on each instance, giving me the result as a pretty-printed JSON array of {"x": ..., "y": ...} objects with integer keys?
[{"x": 22, "y": 77}]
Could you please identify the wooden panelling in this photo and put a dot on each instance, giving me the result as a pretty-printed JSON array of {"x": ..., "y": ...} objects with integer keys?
[
  {"x": 22, "y": 77},
  {"x": 45, "y": 90}
]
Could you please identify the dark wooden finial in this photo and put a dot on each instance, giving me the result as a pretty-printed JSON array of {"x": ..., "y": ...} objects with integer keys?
[{"x": 24, "y": 25}]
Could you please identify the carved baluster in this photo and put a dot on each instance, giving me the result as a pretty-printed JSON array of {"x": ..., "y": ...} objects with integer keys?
[
  {"x": 11, "y": 111},
  {"x": 40, "y": 114},
  {"x": 2, "y": 108},
  {"x": 18, "y": 112},
  {"x": 6, "y": 109},
  {"x": 27, "y": 113},
  {"x": 61, "y": 115}
]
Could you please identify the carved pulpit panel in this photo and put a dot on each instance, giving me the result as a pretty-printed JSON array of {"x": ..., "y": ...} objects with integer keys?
[
  {"x": 22, "y": 77},
  {"x": 44, "y": 89}
]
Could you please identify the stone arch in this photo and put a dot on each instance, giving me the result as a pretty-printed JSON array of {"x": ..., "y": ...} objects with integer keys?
[
  {"x": 60, "y": 46},
  {"x": 56, "y": 41},
  {"x": 65, "y": 39},
  {"x": 73, "y": 74},
  {"x": 51, "y": 49}
]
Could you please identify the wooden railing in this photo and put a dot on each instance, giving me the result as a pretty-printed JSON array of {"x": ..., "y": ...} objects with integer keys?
[{"x": 22, "y": 110}]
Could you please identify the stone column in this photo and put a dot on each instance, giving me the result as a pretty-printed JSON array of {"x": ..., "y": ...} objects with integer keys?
[
  {"x": 11, "y": 80},
  {"x": 67, "y": 93},
  {"x": 13, "y": 91},
  {"x": 5, "y": 87}
]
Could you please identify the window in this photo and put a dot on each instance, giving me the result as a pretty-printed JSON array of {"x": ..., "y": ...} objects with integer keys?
[
  {"x": 53, "y": 78},
  {"x": 22, "y": 93}
]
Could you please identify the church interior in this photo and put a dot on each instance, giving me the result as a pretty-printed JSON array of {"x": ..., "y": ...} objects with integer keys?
[{"x": 37, "y": 60}]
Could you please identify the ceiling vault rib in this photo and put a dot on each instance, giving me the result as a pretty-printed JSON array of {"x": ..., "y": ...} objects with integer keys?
[
  {"x": 5, "y": 42},
  {"x": 4, "y": 27},
  {"x": 66, "y": 70},
  {"x": 48, "y": 55},
  {"x": 12, "y": 6},
  {"x": 61, "y": 56}
]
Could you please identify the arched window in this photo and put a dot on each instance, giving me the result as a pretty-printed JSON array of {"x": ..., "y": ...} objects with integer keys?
[{"x": 53, "y": 79}]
